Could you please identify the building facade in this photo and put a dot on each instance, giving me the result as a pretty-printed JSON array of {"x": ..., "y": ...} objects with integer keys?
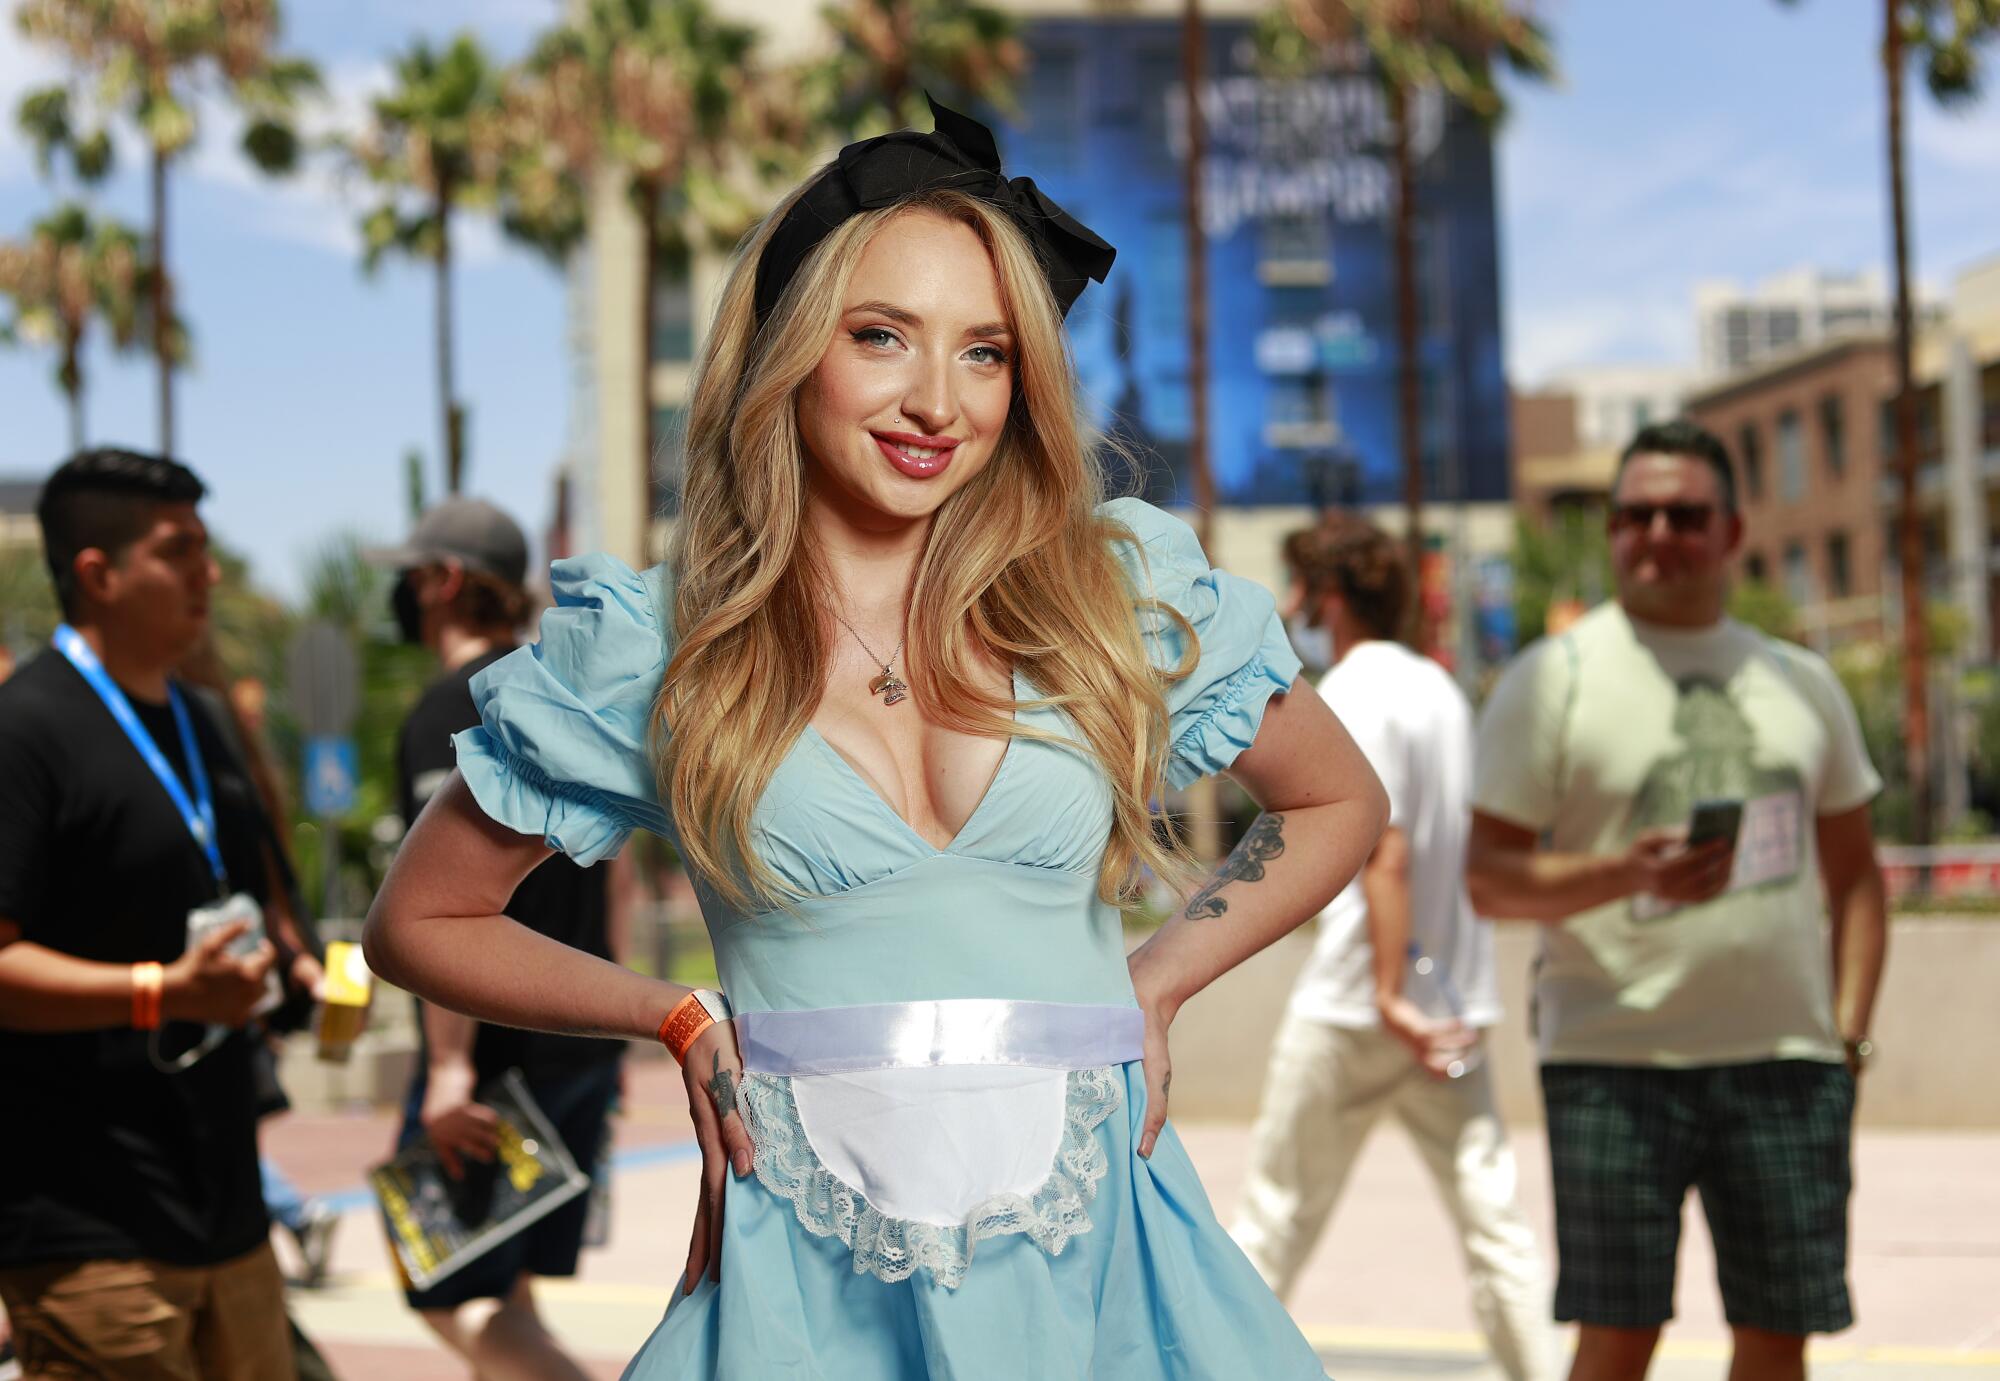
[
  {"x": 1811, "y": 457},
  {"x": 1301, "y": 304},
  {"x": 1814, "y": 438},
  {"x": 1740, "y": 328},
  {"x": 1297, "y": 202}
]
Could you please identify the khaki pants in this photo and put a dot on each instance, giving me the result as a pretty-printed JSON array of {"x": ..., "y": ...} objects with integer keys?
[
  {"x": 148, "y": 1321},
  {"x": 1326, "y": 1087}
]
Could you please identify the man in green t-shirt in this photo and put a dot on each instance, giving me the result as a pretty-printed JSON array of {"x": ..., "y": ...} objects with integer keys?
[{"x": 1697, "y": 1028}]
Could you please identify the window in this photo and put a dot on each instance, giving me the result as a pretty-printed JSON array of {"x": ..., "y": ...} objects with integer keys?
[
  {"x": 1053, "y": 111},
  {"x": 1294, "y": 250},
  {"x": 1162, "y": 293},
  {"x": 669, "y": 438},
  {"x": 1798, "y": 575},
  {"x": 1833, "y": 434},
  {"x": 1930, "y": 425},
  {"x": 1736, "y": 329},
  {"x": 673, "y": 318},
  {"x": 1791, "y": 456},
  {"x": 1839, "y": 576},
  {"x": 1752, "y": 446},
  {"x": 1162, "y": 109},
  {"x": 1782, "y": 327},
  {"x": 1434, "y": 299},
  {"x": 1756, "y": 568}
]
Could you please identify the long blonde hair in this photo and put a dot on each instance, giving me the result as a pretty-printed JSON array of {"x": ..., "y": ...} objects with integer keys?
[{"x": 1017, "y": 563}]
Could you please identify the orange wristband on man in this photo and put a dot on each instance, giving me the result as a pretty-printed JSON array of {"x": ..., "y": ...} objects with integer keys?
[{"x": 148, "y": 980}]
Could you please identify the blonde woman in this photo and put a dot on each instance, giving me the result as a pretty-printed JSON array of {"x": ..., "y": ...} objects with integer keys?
[{"x": 906, "y": 697}]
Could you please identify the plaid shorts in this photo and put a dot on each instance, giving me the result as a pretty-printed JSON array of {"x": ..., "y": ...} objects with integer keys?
[{"x": 1766, "y": 1144}]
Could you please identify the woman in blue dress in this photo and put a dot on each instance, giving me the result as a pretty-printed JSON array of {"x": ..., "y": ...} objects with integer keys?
[{"x": 906, "y": 697}]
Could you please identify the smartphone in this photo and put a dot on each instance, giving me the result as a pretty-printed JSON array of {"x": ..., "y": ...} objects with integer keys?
[
  {"x": 240, "y": 907},
  {"x": 1714, "y": 820}
]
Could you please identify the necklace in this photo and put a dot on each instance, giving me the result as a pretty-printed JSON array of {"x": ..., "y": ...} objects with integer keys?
[{"x": 888, "y": 685}]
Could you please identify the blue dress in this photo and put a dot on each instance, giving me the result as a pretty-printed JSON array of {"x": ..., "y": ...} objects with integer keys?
[{"x": 1113, "y": 1268}]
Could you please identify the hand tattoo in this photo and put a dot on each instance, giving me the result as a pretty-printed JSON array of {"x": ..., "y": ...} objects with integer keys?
[
  {"x": 1245, "y": 863},
  {"x": 722, "y": 1091}
]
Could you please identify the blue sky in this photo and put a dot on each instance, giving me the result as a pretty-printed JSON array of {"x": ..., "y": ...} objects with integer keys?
[{"x": 1708, "y": 138}]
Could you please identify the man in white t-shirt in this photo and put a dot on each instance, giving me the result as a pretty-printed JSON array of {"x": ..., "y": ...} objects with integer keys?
[
  {"x": 1389, "y": 1013},
  {"x": 1698, "y": 1026}
]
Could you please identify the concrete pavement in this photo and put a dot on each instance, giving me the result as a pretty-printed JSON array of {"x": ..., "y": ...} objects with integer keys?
[{"x": 1383, "y": 1298}]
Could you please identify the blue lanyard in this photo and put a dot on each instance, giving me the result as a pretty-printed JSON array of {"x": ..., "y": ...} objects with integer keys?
[{"x": 197, "y": 814}]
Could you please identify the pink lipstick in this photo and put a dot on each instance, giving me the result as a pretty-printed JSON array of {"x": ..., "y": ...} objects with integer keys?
[{"x": 919, "y": 457}]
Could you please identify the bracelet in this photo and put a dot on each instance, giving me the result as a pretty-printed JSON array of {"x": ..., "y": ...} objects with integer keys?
[
  {"x": 691, "y": 1016},
  {"x": 148, "y": 980}
]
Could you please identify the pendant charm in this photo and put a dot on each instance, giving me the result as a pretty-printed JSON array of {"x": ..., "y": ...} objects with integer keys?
[{"x": 889, "y": 686}]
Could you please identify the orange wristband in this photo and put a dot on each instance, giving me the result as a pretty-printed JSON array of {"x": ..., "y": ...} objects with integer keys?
[
  {"x": 684, "y": 1024},
  {"x": 147, "y": 981}
]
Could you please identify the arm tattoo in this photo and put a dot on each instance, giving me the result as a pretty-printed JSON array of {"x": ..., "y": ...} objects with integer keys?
[
  {"x": 721, "y": 1091},
  {"x": 1245, "y": 863}
]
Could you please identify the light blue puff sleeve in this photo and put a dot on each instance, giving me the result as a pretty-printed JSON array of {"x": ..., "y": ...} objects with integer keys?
[
  {"x": 561, "y": 747},
  {"x": 1245, "y": 657}
]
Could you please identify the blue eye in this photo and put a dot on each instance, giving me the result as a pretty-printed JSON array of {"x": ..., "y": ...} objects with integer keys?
[
  {"x": 875, "y": 335},
  {"x": 992, "y": 354}
]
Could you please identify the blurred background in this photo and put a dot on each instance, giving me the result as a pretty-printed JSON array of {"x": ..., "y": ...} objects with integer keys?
[{"x": 1435, "y": 261}]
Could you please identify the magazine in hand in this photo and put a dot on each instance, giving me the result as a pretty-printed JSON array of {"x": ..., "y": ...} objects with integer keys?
[{"x": 438, "y": 1224}]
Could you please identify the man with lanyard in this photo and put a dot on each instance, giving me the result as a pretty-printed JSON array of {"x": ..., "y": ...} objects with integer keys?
[
  {"x": 459, "y": 593},
  {"x": 133, "y": 1236}
]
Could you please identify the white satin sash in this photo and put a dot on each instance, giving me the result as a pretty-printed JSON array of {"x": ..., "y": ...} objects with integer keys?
[
  {"x": 956, "y": 1031},
  {"x": 932, "y": 1109}
]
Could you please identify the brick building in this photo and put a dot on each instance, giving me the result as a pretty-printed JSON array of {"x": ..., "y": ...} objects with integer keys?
[{"x": 1812, "y": 458}]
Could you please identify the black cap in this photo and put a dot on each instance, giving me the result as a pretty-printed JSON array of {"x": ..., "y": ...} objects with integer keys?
[{"x": 470, "y": 531}]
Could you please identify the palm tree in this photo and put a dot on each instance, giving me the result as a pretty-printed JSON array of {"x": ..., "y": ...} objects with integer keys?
[
  {"x": 1194, "y": 41},
  {"x": 1450, "y": 44},
  {"x": 1944, "y": 37},
  {"x": 661, "y": 93},
  {"x": 434, "y": 145},
  {"x": 152, "y": 60},
  {"x": 73, "y": 271},
  {"x": 888, "y": 53}
]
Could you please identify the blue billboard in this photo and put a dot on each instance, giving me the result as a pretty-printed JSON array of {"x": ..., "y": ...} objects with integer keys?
[{"x": 1298, "y": 204}]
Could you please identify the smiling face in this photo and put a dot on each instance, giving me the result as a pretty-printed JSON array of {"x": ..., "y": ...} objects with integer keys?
[
  {"x": 1671, "y": 539},
  {"x": 911, "y": 398}
]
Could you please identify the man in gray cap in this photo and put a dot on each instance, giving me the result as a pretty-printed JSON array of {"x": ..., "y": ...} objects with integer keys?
[
  {"x": 459, "y": 593},
  {"x": 457, "y": 538}
]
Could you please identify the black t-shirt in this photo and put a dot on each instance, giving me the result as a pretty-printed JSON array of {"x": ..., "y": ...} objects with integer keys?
[
  {"x": 558, "y": 899},
  {"x": 103, "y": 1155}
]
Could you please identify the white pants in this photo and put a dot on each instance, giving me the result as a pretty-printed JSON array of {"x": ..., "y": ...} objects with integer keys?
[{"x": 1326, "y": 1087}]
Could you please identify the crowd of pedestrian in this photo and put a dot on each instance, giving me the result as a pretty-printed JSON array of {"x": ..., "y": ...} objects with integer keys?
[{"x": 1679, "y": 803}]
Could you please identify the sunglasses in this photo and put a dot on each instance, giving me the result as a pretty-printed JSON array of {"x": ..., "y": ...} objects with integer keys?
[{"x": 1684, "y": 519}]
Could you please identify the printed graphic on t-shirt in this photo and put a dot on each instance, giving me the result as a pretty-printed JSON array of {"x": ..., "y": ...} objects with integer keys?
[{"x": 1717, "y": 761}]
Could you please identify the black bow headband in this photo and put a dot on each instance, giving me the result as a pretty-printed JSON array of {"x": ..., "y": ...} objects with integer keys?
[{"x": 959, "y": 154}]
